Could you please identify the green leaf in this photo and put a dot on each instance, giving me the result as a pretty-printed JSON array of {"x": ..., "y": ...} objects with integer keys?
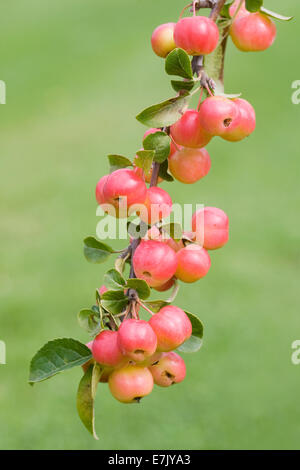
[
  {"x": 156, "y": 305},
  {"x": 144, "y": 160},
  {"x": 166, "y": 113},
  {"x": 140, "y": 286},
  {"x": 174, "y": 230},
  {"x": 97, "y": 372},
  {"x": 89, "y": 320},
  {"x": 114, "y": 280},
  {"x": 230, "y": 96},
  {"x": 120, "y": 263},
  {"x": 225, "y": 10},
  {"x": 114, "y": 301},
  {"x": 178, "y": 63},
  {"x": 56, "y": 356},
  {"x": 118, "y": 161},
  {"x": 85, "y": 402},
  {"x": 160, "y": 143},
  {"x": 194, "y": 343},
  {"x": 277, "y": 16},
  {"x": 95, "y": 251},
  {"x": 163, "y": 171},
  {"x": 179, "y": 85},
  {"x": 254, "y": 5},
  {"x": 214, "y": 62}
]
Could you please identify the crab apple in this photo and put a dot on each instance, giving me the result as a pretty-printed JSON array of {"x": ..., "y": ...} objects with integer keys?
[
  {"x": 131, "y": 383},
  {"x": 166, "y": 286},
  {"x": 150, "y": 361},
  {"x": 190, "y": 165},
  {"x": 106, "y": 349},
  {"x": 162, "y": 39},
  {"x": 218, "y": 115},
  {"x": 246, "y": 124},
  {"x": 158, "y": 204},
  {"x": 155, "y": 262},
  {"x": 189, "y": 132},
  {"x": 197, "y": 35},
  {"x": 99, "y": 189},
  {"x": 172, "y": 327},
  {"x": 253, "y": 33},
  {"x": 211, "y": 226},
  {"x": 193, "y": 263},
  {"x": 136, "y": 339},
  {"x": 121, "y": 184},
  {"x": 169, "y": 370},
  {"x": 242, "y": 11}
]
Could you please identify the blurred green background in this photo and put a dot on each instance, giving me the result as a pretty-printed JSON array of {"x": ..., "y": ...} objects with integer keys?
[{"x": 77, "y": 72}]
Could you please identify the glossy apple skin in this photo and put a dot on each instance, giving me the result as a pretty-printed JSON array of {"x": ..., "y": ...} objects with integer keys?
[
  {"x": 190, "y": 165},
  {"x": 99, "y": 189},
  {"x": 189, "y": 132},
  {"x": 136, "y": 339},
  {"x": 106, "y": 350},
  {"x": 131, "y": 383},
  {"x": 149, "y": 361},
  {"x": 246, "y": 124},
  {"x": 253, "y": 33},
  {"x": 172, "y": 327},
  {"x": 218, "y": 115},
  {"x": 211, "y": 226},
  {"x": 166, "y": 286},
  {"x": 242, "y": 11},
  {"x": 197, "y": 35},
  {"x": 162, "y": 39},
  {"x": 193, "y": 263},
  {"x": 169, "y": 370},
  {"x": 158, "y": 205},
  {"x": 124, "y": 183},
  {"x": 155, "y": 262}
]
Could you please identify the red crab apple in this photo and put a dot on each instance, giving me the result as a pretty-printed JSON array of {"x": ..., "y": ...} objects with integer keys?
[
  {"x": 99, "y": 189},
  {"x": 106, "y": 350},
  {"x": 189, "y": 132},
  {"x": 197, "y": 35},
  {"x": 246, "y": 122},
  {"x": 150, "y": 361},
  {"x": 218, "y": 115},
  {"x": 253, "y": 33},
  {"x": 130, "y": 383},
  {"x": 193, "y": 263},
  {"x": 155, "y": 262},
  {"x": 105, "y": 372},
  {"x": 169, "y": 370},
  {"x": 136, "y": 339},
  {"x": 172, "y": 327},
  {"x": 242, "y": 11},
  {"x": 162, "y": 39},
  {"x": 158, "y": 205},
  {"x": 121, "y": 184},
  {"x": 166, "y": 286},
  {"x": 190, "y": 165},
  {"x": 211, "y": 226}
]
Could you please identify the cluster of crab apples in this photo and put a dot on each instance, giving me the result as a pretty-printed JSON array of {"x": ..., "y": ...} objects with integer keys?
[
  {"x": 199, "y": 35},
  {"x": 141, "y": 354}
]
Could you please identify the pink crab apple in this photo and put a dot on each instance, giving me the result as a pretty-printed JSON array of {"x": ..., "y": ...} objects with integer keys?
[
  {"x": 197, "y": 35},
  {"x": 155, "y": 262},
  {"x": 253, "y": 33},
  {"x": 158, "y": 205},
  {"x": 121, "y": 184},
  {"x": 130, "y": 384},
  {"x": 150, "y": 361},
  {"x": 242, "y": 11},
  {"x": 172, "y": 327},
  {"x": 211, "y": 226},
  {"x": 166, "y": 286},
  {"x": 189, "y": 132},
  {"x": 106, "y": 349},
  {"x": 189, "y": 165},
  {"x": 170, "y": 369},
  {"x": 193, "y": 263},
  {"x": 136, "y": 339},
  {"x": 99, "y": 189},
  {"x": 246, "y": 122},
  {"x": 218, "y": 115},
  {"x": 162, "y": 39}
]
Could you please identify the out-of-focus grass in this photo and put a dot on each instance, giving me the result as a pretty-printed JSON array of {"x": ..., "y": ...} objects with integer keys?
[{"x": 77, "y": 73}]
